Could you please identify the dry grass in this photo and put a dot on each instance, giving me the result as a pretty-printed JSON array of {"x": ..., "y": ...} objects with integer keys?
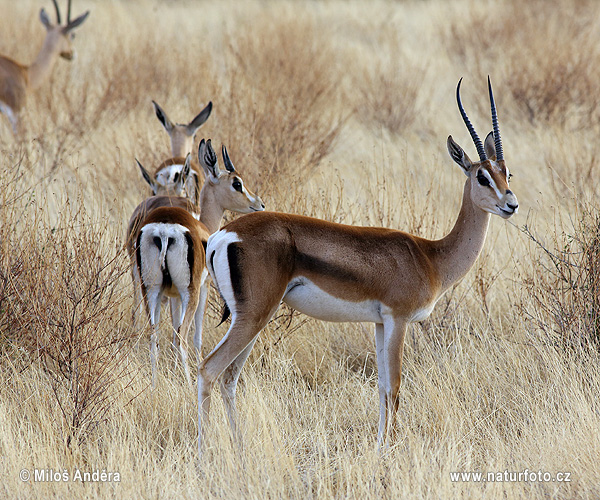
[{"x": 333, "y": 109}]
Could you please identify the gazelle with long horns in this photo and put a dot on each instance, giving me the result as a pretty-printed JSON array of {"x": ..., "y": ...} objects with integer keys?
[
  {"x": 166, "y": 241},
  {"x": 337, "y": 272},
  {"x": 17, "y": 80}
]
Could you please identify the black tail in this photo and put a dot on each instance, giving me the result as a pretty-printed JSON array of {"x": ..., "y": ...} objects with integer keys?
[{"x": 225, "y": 313}]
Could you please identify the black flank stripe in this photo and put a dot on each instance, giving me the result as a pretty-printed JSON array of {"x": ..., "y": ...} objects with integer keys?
[
  {"x": 138, "y": 254},
  {"x": 190, "y": 252},
  {"x": 212, "y": 256},
  {"x": 234, "y": 252},
  {"x": 320, "y": 266}
]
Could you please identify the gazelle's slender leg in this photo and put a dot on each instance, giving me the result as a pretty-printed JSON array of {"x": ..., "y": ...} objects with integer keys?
[
  {"x": 381, "y": 378},
  {"x": 11, "y": 115},
  {"x": 179, "y": 335},
  {"x": 394, "y": 333},
  {"x": 153, "y": 304},
  {"x": 234, "y": 348},
  {"x": 228, "y": 384},
  {"x": 199, "y": 317},
  {"x": 176, "y": 314}
]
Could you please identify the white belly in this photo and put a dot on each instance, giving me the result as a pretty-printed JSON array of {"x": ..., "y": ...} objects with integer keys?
[{"x": 303, "y": 295}]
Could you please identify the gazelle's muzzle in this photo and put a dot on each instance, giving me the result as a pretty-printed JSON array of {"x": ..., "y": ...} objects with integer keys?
[{"x": 509, "y": 207}]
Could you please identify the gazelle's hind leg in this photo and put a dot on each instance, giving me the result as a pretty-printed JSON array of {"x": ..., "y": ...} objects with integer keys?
[
  {"x": 228, "y": 384},
  {"x": 228, "y": 358},
  {"x": 199, "y": 318},
  {"x": 153, "y": 300},
  {"x": 12, "y": 117},
  {"x": 184, "y": 321}
]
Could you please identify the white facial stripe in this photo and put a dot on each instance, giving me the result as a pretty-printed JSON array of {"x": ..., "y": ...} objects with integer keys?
[{"x": 492, "y": 183}]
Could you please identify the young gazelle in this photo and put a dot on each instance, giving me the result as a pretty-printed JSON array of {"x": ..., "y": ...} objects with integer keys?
[
  {"x": 337, "y": 272},
  {"x": 165, "y": 242},
  {"x": 17, "y": 80}
]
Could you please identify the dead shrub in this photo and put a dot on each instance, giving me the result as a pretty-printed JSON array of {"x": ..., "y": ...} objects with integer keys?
[
  {"x": 61, "y": 301},
  {"x": 564, "y": 286},
  {"x": 279, "y": 98}
]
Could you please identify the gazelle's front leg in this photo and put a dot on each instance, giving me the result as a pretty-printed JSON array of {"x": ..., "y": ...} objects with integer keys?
[
  {"x": 381, "y": 381},
  {"x": 389, "y": 339}
]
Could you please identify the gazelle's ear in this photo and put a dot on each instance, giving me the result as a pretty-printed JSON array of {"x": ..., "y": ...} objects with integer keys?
[
  {"x": 147, "y": 177},
  {"x": 199, "y": 120},
  {"x": 45, "y": 19},
  {"x": 490, "y": 146},
  {"x": 75, "y": 22},
  {"x": 187, "y": 166},
  {"x": 162, "y": 117},
  {"x": 459, "y": 156},
  {"x": 208, "y": 160}
]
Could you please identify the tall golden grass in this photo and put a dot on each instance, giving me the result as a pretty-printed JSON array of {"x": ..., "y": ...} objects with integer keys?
[{"x": 338, "y": 110}]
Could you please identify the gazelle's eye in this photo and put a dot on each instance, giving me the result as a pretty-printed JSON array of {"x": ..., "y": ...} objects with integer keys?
[
  {"x": 237, "y": 185},
  {"x": 509, "y": 177},
  {"x": 482, "y": 179},
  {"x": 176, "y": 177}
]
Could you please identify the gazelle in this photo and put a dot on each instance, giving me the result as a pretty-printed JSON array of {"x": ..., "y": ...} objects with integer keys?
[
  {"x": 164, "y": 179},
  {"x": 174, "y": 177},
  {"x": 182, "y": 135},
  {"x": 165, "y": 243},
  {"x": 17, "y": 80},
  {"x": 337, "y": 272}
]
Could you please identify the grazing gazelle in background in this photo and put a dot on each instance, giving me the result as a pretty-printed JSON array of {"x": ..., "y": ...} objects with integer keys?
[
  {"x": 337, "y": 272},
  {"x": 182, "y": 135},
  {"x": 17, "y": 80},
  {"x": 166, "y": 257}
]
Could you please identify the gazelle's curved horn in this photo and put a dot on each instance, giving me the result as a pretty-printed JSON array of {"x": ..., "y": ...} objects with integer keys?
[
  {"x": 497, "y": 139},
  {"x": 57, "y": 12},
  {"x": 228, "y": 165},
  {"x": 474, "y": 136},
  {"x": 69, "y": 12}
]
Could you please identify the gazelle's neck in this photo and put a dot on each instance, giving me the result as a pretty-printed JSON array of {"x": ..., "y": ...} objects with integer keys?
[
  {"x": 211, "y": 211},
  {"x": 457, "y": 252},
  {"x": 41, "y": 68}
]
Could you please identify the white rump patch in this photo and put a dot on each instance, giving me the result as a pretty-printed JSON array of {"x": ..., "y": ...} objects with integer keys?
[
  {"x": 218, "y": 243},
  {"x": 173, "y": 257}
]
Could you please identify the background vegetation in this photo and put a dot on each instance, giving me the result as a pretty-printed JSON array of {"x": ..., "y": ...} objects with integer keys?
[{"x": 334, "y": 109}]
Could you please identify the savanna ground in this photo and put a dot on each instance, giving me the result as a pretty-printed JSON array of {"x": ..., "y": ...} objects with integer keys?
[{"x": 338, "y": 110}]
